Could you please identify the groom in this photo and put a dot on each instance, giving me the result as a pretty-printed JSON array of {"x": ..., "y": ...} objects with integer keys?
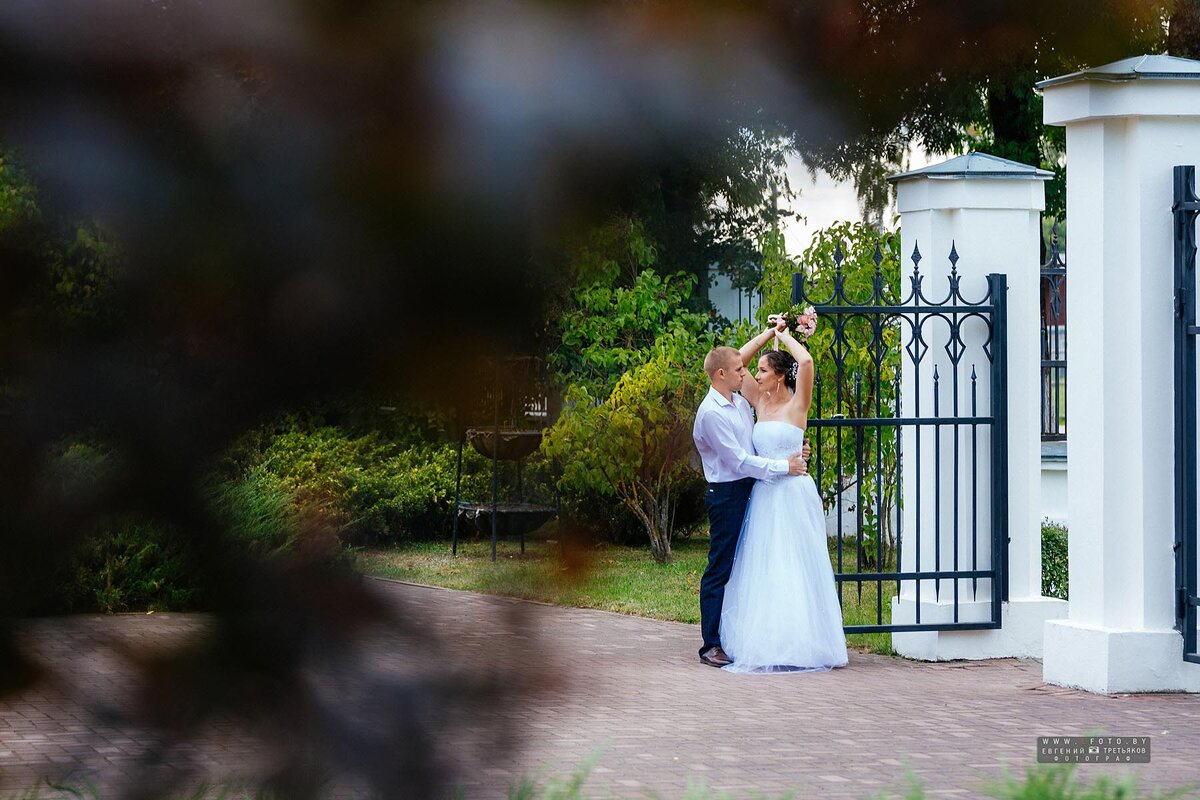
[{"x": 723, "y": 428}]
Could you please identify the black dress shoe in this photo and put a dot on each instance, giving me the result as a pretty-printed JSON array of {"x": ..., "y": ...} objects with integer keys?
[{"x": 715, "y": 657}]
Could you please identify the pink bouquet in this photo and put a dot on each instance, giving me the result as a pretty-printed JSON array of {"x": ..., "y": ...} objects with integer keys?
[{"x": 802, "y": 324}]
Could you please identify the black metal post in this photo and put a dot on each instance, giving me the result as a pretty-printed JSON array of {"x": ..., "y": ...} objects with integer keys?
[
  {"x": 520, "y": 499},
  {"x": 916, "y": 355},
  {"x": 998, "y": 290},
  {"x": 462, "y": 435},
  {"x": 495, "y": 454},
  {"x": 1185, "y": 210}
]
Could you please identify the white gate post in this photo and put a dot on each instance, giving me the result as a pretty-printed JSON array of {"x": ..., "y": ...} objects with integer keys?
[
  {"x": 1128, "y": 124},
  {"x": 990, "y": 210}
]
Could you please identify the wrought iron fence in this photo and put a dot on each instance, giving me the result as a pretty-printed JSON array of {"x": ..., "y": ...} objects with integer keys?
[
  {"x": 1054, "y": 342},
  {"x": 885, "y": 346}
]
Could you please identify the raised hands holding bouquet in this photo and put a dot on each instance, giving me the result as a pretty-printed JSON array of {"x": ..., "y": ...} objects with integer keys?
[{"x": 800, "y": 321}]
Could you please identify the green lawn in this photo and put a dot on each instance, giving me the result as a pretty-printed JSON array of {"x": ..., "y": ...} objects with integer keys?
[{"x": 607, "y": 577}]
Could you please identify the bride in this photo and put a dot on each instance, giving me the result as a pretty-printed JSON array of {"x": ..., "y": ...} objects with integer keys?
[{"x": 781, "y": 611}]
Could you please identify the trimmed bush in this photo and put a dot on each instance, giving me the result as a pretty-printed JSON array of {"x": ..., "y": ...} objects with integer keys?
[{"x": 1054, "y": 560}]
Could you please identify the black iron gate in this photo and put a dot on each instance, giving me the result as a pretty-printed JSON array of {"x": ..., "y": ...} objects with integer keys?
[
  {"x": 954, "y": 348},
  {"x": 1185, "y": 209}
]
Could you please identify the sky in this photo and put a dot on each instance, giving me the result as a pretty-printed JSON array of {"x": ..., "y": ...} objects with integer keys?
[{"x": 824, "y": 201}]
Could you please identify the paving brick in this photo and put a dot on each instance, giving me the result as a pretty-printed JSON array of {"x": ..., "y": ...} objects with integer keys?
[{"x": 634, "y": 696}]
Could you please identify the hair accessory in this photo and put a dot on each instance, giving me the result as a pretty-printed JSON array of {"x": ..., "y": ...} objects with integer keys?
[{"x": 794, "y": 371}]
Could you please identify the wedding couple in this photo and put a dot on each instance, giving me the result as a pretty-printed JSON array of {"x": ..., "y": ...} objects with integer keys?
[{"x": 768, "y": 602}]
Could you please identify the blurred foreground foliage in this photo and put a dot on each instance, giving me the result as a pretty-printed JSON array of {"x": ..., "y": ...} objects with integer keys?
[{"x": 216, "y": 214}]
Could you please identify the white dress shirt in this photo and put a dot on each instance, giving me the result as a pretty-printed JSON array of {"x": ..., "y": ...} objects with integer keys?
[{"x": 723, "y": 435}]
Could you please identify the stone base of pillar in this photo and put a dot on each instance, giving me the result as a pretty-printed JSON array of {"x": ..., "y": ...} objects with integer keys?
[
  {"x": 1023, "y": 623},
  {"x": 1110, "y": 661}
]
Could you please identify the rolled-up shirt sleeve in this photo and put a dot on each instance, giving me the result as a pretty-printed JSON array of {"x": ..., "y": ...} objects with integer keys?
[{"x": 718, "y": 434}]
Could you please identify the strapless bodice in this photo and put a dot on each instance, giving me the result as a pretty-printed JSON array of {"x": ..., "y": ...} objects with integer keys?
[{"x": 777, "y": 439}]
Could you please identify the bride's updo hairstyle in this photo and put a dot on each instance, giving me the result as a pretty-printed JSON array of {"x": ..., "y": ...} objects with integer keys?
[{"x": 782, "y": 363}]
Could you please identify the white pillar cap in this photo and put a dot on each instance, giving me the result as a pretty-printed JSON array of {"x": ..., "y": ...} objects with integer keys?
[
  {"x": 1143, "y": 86},
  {"x": 974, "y": 180}
]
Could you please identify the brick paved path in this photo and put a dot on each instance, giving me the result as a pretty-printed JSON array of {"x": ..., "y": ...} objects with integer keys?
[{"x": 635, "y": 693}]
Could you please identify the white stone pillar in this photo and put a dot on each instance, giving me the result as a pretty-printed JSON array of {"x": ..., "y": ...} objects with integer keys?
[
  {"x": 989, "y": 209},
  {"x": 1127, "y": 124}
]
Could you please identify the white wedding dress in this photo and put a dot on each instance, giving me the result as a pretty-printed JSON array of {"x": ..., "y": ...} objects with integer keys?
[{"x": 781, "y": 611}]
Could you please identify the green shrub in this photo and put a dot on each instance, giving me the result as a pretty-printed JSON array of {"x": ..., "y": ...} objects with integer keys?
[
  {"x": 601, "y": 517},
  {"x": 606, "y": 518},
  {"x": 371, "y": 488},
  {"x": 297, "y": 480},
  {"x": 127, "y": 562},
  {"x": 130, "y": 564},
  {"x": 636, "y": 444},
  {"x": 1054, "y": 560}
]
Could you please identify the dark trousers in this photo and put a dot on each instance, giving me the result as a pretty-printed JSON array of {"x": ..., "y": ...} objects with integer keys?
[{"x": 726, "y": 509}]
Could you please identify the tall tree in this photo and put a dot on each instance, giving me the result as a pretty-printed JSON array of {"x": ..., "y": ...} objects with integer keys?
[{"x": 949, "y": 77}]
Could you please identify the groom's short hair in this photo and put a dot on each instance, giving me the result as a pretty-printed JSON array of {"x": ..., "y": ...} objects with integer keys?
[{"x": 719, "y": 358}]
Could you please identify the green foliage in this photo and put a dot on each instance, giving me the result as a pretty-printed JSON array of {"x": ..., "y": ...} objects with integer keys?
[
  {"x": 1007, "y": 122},
  {"x": 625, "y": 340},
  {"x": 612, "y": 254},
  {"x": 745, "y": 190},
  {"x": 18, "y": 197},
  {"x": 128, "y": 562},
  {"x": 77, "y": 465},
  {"x": 367, "y": 487},
  {"x": 865, "y": 383},
  {"x": 83, "y": 270},
  {"x": 987, "y": 104},
  {"x": 281, "y": 488},
  {"x": 1048, "y": 782},
  {"x": 1062, "y": 782},
  {"x": 604, "y": 517},
  {"x": 132, "y": 564},
  {"x": 776, "y": 285},
  {"x": 257, "y": 510},
  {"x": 1054, "y": 561},
  {"x": 635, "y": 444},
  {"x": 79, "y": 260},
  {"x": 611, "y": 329},
  {"x": 539, "y": 787},
  {"x": 709, "y": 203},
  {"x": 599, "y": 516}
]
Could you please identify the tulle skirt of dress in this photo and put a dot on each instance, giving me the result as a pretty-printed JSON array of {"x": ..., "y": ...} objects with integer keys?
[{"x": 781, "y": 611}]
